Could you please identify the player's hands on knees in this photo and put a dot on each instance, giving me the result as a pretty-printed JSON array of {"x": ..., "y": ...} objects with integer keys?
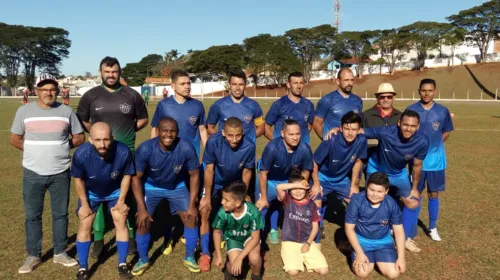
[
  {"x": 261, "y": 203},
  {"x": 305, "y": 248},
  {"x": 84, "y": 212},
  {"x": 205, "y": 202},
  {"x": 315, "y": 190},
  {"x": 121, "y": 208},
  {"x": 142, "y": 217},
  {"x": 330, "y": 133},
  {"x": 191, "y": 213},
  {"x": 236, "y": 266},
  {"x": 354, "y": 190},
  {"x": 401, "y": 265},
  {"x": 414, "y": 194},
  {"x": 361, "y": 262}
]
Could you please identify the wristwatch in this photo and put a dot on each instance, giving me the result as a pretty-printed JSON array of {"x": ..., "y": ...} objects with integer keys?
[{"x": 308, "y": 244}]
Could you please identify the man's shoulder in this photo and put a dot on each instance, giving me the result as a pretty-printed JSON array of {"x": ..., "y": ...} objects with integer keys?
[
  {"x": 251, "y": 102},
  {"x": 215, "y": 139},
  {"x": 121, "y": 148},
  {"x": 184, "y": 146},
  {"x": 83, "y": 150},
  {"x": 356, "y": 97}
]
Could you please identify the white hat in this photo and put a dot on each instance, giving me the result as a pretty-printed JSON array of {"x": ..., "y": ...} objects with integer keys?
[
  {"x": 46, "y": 78},
  {"x": 385, "y": 88}
]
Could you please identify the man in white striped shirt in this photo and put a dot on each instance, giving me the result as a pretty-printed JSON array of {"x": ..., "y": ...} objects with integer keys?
[{"x": 41, "y": 130}]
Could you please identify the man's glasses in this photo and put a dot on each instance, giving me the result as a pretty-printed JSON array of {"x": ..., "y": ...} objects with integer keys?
[
  {"x": 385, "y": 97},
  {"x": 45, "y": 91}
]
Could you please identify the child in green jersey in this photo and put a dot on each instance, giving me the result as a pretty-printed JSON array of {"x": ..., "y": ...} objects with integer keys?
[{"x": 241, "y": 223}]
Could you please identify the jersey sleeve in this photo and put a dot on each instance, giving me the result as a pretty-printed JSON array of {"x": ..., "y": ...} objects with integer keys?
[
  {"x": 213, "y": 114},
  {"x": 141, "y": 112},
  {"x": 322, "y": 152},
  {"x": 448, "y": 124},
  {"x": 76, "y": 126},
  {"x": 307, "y": 159},
  {"x": 210, "y": 150},
  {"x": 220, "y": 220},
  {"x": 396, "y": 216},
  {"x": 363, "y": 148},
  {"x": 375, "y": 132},
  {"x": 18, "y": 123},
  {"x": 192, "y": 161},
  {"x": 250, "y": 159},
  {"x": 258, "y": 115},
  {"x": 322, "y": 108},
  {"x": 351, "y": 215},
  {"x": 316, "y": 217},
  {"x": 272, "y": 114},
  {"x": 129, "y": 167},
  {"x": 257, "y": 223},
  {"x": 422, "y": 152},
  {"x": 267, "y": 157},
  {"x": 202, "y": 119},
  {"x": 77, "y": 165},
  {"x": 83, "y": 109},
  {"x": 141, "y": 158},
  {"x": 157, "y": 115},
  {"x": 310, "y": 113}
]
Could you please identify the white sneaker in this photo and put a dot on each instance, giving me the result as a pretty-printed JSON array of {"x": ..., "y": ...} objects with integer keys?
[
  {"x": 65, "y": 260},
  {"x": 434, "y": 234},
  {"x": 411, "y": 246}
]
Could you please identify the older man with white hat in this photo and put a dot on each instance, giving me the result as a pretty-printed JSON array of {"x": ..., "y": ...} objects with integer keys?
[{"x": 383, "y": 113}]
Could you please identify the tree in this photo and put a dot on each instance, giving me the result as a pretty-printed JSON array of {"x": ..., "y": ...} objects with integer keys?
[
  {"x": 216, "y": 60},
  {"x": 359, "y": 46},
  {"x": 11, "y": 44},
  {"x": 310, "y": 44},
  {"x": 380, "y": 62},
  {"x": 453, "y": 37},
  {"x": 134, "y": 73},
  {"x": 482, "y": 24},
  {"x": 258, "y": 52},
  {"x": 392, "y": 47},
  {"x": 88, "y": 75},
  {"x": 422, "y": 36},
  {"x": 282, "y": 60}
]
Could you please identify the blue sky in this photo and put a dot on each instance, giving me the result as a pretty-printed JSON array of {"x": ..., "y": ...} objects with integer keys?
[{"x": 129, "y": 30}]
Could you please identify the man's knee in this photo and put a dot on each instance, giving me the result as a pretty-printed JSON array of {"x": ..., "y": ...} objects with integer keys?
[
  {"x": 410, "y": 203},
  {"x": 254, "y": 258},
  {"x": 362, "y": 273},
  {"x": 119, "y": 220},
  {"x": 391, "y": 273}
]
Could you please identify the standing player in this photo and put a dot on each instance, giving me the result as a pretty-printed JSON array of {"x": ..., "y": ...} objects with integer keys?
[
  {"x": 398, "y": 146},
  {"x": 334, "y": 105},
  {"x": 338, "y": 162},
  {"x": 436, "y": 124},
  {"x": 124, "y": 110},
  {"x": 228, "y": 157},
  {"x": 164, "y": 164},
  {"x": 292, "y": 106},
  {"x": 102, "y": 169},
  {"x": 280, "y": 157},
  {"x": 165, "y": 93},
  {"x": 65, "y": 96},
  {"x": 188, "y": 112},
  {"x": 236, "y": 104},
  {"x": 25, "y": 96},
  {"x": 146, "y": 97}
]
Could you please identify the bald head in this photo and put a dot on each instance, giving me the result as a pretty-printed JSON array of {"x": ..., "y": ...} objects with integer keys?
[
  {"x": 345, "y": 80},
  {"x": 101, "y": 138},
  {"x": 233, "y": 122}
]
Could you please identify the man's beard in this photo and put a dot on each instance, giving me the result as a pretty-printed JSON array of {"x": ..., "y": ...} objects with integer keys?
[{"x": 115, "y": 85}]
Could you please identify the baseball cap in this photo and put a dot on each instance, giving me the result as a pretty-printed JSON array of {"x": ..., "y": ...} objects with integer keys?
[{"x": 45, "y": 78}]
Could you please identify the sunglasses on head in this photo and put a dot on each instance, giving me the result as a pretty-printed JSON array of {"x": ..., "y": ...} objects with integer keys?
[{"x": 385, "y": 97}]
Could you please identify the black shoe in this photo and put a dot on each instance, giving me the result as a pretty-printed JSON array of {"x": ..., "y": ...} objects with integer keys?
[
  {"x": 82, "y": 274},
  {"x": 322, "y": 232},
  {"x": 124, "y": 272},
  {"x": 132, "y": 247},
  {"x": 256, "y": 277},
  {"x": 97, "y": 249}
]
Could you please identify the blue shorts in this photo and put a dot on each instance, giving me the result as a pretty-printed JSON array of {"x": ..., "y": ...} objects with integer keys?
[
  {"x": 341, "y": 188},
  {"x": 178, "y": 198},
  {"x": 400, "y": 185},
  {"x": 272, "y": 193},
  {"x": 377, "y": 250},
  {"x": 95, "y": 203},
  {"x": 435, "y": 181}
]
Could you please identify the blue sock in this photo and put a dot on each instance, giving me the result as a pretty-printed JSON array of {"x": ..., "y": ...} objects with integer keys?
[
  {"x": 274, "y": 219},
  {"x": 82, "y": 249},
  {"x": 205, "y": 244},
  {"x": 167, "y": 234},
  {"x": 263, "y": 214},
  {"x": 410, "y": 217},
  {"x": 433, "y": 212},
  {"x": 191, "y": 235},
  {"x": 122, "y": 248},
  {"x": 321, "y": 223},
  {"x": 143, "y": 246},
  {"x": 413, "y": 232}
]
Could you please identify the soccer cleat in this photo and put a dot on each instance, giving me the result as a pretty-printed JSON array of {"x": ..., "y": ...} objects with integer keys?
[
  {"x": 29, "y": 265},
  {"x": 65, "y": 260},
  {"x": 205, "y": 262},
  {"x": 82, "y": 274},
  {"x": 434, "y": 235},
  {"x": 97, "y": 249},
  {"x": 168, "y": 249},
  {"x": 140, "y": 267},
  {"x": 132, "y": 246},
  {"x": 411, "y": 246},
  {"x": 322, "y": 232},
  {"x": 222, "y": 244},
  {"x": 183, "y": 240},
  {"x": 124, "y": 272},
  {"x": 191, "y": 264},
  {"x": 274, "y": 237}
]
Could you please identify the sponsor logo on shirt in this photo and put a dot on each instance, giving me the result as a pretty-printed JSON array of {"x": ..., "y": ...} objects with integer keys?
[
  {"x": 125, "y": 108},
  {"x": 353, "y": 158},
  {"x": 408, "y": 156},
  {"x": 247, "y": 118},
  {"x": 356, "y": 111},
  {"x": 114, "y": 175},
  {"x": 99, "y": 108},
  {"x": 337, "y": 111},
  {"x": 435, "y": 125},
  {"x": 384, "y": 222},
  {"x": 295, "y": 166},
  {"x": 306, "y": 117},
  {"x": 192, "y": 120},
  {"x": 241, "y": 164},
  {"x": 177, "y": 169}
]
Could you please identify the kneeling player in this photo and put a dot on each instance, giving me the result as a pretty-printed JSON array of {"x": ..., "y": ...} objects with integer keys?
[
  {"x": 164, "y": 164},
  {"x": 241, "y": 223},
  {"x": 102, "y": 169},
  {"x": 300, "y": 227},
  {"x": 369, "y": 217},
  {"x": 228, "y": 156}
]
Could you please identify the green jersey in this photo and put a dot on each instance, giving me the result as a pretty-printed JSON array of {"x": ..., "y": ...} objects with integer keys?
[{"x": 239, "y": 228}]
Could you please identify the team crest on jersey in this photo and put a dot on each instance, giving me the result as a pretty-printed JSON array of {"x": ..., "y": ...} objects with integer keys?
[
  {"x": 356, "y": 111},
  {"x": 177, "y": 169},
  {"x": 353, "y": 158},
  {"x": 384, "y": 222},
  {"x": 295, "y": 166},
  {"x": 308, "y": 213},
  {"x": 247, "y": 118},
  {"x": 306, "y": 117},
  {"x": 125, "y": 108},
  {"x": 240, "y": 165},
  {"x": 245, "y": 226},
  {"x": 408, "y": 156},
  {"x": 114, "y": 175},
  {"x": 288, "y": 118},
  {"x": 192, "y": 120},
  {"x": 435, "y": 125}
]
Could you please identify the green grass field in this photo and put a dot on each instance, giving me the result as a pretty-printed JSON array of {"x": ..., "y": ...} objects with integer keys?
[{"x": 468, "y": 223}]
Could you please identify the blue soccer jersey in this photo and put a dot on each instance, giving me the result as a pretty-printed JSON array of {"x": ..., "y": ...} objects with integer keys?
[
  {"x": 166, "y": 170},
  {"x": 284, "y": 109},
  {"x": 393, "y": 153},
  {"x": 189, "y": 115},
  {"x": 433, "y": 123},
  {"x": 228, "y": 163},
  {"x": 333, "y": 106},
  {"x": 248, "y": 111},
  {"x": 335, "y": 158},
  {"x": 372, "y": 223},
  {"x": 279, "y": 162},
  {"x": 102, "y": 177}
]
